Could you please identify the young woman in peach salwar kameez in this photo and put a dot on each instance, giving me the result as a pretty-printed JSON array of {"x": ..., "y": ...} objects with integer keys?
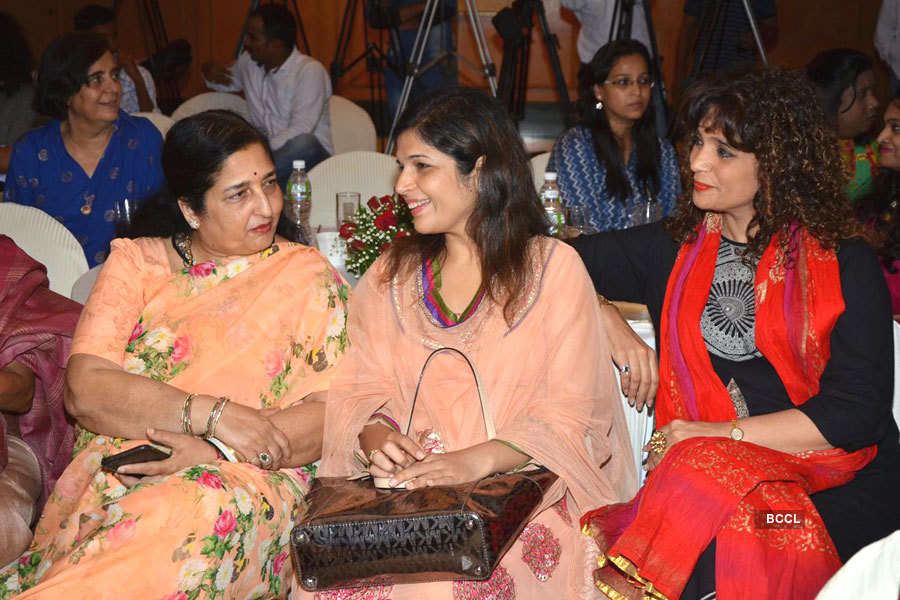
[
  {"x": 263, "y": 326},
  {"x": 543, "y": 359}
]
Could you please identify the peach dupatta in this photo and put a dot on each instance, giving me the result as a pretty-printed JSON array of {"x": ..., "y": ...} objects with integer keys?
[{"x": 548, "y": 380}]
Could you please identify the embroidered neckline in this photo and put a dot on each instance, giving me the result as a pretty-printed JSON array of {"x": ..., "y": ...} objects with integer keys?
[{"x": 430, "y": 283}]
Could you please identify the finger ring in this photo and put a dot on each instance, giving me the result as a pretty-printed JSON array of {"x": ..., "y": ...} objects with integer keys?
[
  {"x": 265, "y": 460},
  {"x": 373, "y": 452},
  {"x": 624, "y": 369},
  {"x": 658, "y": 442}
]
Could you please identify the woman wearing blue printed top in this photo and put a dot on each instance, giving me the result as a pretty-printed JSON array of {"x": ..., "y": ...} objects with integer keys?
[
  {"x": 613, "y": 162},
  {"x": 91, "y": 154}
]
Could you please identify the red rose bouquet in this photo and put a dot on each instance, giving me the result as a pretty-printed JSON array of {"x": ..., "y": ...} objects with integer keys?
[{"x": 373, "y": 229}]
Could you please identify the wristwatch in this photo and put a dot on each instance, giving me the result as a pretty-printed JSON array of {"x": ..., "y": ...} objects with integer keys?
[{"x": 737, "y": 434}]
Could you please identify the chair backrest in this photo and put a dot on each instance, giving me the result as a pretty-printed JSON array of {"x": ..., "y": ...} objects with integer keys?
[
  {"x": 897, "y": 372},
  {"x": 538, "y": 166},
  {"x": 161, "y": 121},
  {"x": 84, "y": 284},
  {"x": 351, "y": 126},
  {"x": 209, "y": 101},
  {"x": 369, "y": 173},
  {"x": 47, "y": 241}
]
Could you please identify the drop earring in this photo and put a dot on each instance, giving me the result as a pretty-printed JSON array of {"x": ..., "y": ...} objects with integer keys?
[{"x": 599, "y": 105}]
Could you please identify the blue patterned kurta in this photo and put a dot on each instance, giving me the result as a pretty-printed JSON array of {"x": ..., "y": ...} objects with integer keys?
[
  {"x": 43, "y": 174},
  {"x": 582, "y": 180}
]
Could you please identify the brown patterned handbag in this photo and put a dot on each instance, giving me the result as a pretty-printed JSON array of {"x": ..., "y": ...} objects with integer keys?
[{"x": 354, "y": 534}]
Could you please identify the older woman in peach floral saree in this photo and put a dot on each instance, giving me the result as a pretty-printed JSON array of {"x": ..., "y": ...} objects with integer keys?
[
  {"x": 171, "y": 332},
  {"x": 478, "y": 275}
]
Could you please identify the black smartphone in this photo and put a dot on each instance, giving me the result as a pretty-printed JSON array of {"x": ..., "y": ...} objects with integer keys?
[{"x": 138, "y": 454}]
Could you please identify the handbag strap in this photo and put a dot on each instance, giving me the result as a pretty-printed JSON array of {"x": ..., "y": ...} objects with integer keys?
[{"x": 488, "y": 419}]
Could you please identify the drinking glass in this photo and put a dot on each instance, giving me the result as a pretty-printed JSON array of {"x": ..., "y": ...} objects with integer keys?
[
  {"x": 125, "y": 209},
  {"x": 346, "y": 205},
  {"x": 578, "y": 218}
]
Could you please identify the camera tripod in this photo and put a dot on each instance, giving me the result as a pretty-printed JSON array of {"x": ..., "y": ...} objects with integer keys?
[
  {"x": 620, "y": 28},
  {"x": 515, "y": 25},
  {"x": 382, "y": 18},
  {"x": 414, "y": 67},
  {"x": 713, "y": 24}
]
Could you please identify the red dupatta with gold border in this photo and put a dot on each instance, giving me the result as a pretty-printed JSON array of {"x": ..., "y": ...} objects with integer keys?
[{"x": 708, "y": 488}]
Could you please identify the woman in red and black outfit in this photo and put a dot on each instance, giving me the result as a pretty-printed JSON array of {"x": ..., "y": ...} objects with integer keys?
[{"x": 776, "y": 362}]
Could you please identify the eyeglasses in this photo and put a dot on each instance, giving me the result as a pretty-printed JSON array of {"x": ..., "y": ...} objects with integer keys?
[{"x": 625, "y": 83}]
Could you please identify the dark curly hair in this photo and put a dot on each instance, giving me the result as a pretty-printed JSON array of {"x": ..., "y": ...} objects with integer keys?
[
  {"x": 64, "y": 69},
  {"x": 776, "y": 116},
  {"x": 467, "y": 124}
]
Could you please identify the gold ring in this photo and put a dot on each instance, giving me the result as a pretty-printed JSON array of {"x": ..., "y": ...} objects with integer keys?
[
  {"x": 658, "y": 442},
  {"x": 373, "y": 452}
]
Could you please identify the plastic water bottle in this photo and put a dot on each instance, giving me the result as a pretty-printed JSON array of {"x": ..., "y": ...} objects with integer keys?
[
  {"x": 552, "y": 202},
  {"x": 298, "y": 205}
]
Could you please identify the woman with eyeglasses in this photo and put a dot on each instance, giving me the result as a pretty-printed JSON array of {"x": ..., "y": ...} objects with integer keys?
[
  {"x": 91, "y": 155},
  {"x": 612, "y": 163}
]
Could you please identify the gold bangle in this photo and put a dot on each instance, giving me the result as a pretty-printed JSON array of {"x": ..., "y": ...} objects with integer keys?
[
  {"x": 214, "y": 415},
  {"x": 186, "y": 425}
]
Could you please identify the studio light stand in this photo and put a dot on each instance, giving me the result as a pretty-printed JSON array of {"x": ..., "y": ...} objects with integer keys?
[
  {"x": 515, "y": 25},
  {"x": 714, "y": 23},
  {"x": 414, "y": 67}
]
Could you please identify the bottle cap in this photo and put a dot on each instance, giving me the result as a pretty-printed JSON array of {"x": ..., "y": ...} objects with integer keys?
[
  {"x": 549, "y": 176},
  {"x": 299, "y": 164}
]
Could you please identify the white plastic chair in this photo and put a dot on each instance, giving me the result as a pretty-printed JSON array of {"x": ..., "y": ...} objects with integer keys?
[
  {"x": 369, "y": 173},
  {"x": 351, "y": 126},
  {"x": 161, "y": 121},
  {"x": 84, "y": 284},
  {"x": 47, "y": 241},
  {"x": 538, "y": 166},
  {"x": 897, "y": 372},
  {"x": 209, "y": 101}
]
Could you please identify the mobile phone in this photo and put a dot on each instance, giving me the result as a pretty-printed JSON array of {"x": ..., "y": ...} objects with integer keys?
[{"x": 138, "y": 454}]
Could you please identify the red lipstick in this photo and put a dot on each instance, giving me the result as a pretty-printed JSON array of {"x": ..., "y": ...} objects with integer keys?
[{"x": 701, "y": 187}]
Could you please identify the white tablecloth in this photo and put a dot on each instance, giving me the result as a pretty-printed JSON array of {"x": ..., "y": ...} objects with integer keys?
[{"x": 640, "y": 424}]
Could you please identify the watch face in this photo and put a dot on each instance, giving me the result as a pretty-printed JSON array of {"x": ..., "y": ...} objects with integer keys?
[{"x": 737, "y": 434}]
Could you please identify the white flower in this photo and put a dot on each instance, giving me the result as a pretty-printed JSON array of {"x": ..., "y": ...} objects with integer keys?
[
  {"x": 113, "y": 515},
  {"x": 100, "y": 440},
  {"x": 223, "y": 575},
  {"x": 259, "y": 591},
  {"x": 336, "y": 323},
  {"x": 160, "y": 339},
  {"x": 249, "y": 540},
  {"x": 244, "y": 502},
  {"x": 12, "y": 582},
  {"x": 93, "y": 462},
  {"x": 135, "y": 365},
  {"x": 263, "y": 553},
  {"x": 285, "y": 537},
  {"x": 45, "y": 564},
  {"x": 116, "y": 492},
  {"x": 237, "y": 266},
  {"x": 191, "y": 575}
]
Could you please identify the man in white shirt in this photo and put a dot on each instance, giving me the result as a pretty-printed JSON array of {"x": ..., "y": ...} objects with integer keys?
[
  {"x": 138, "y": 89},
  {"x": 287, "y": 91},
  {"x": 887, "y": 40}
]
